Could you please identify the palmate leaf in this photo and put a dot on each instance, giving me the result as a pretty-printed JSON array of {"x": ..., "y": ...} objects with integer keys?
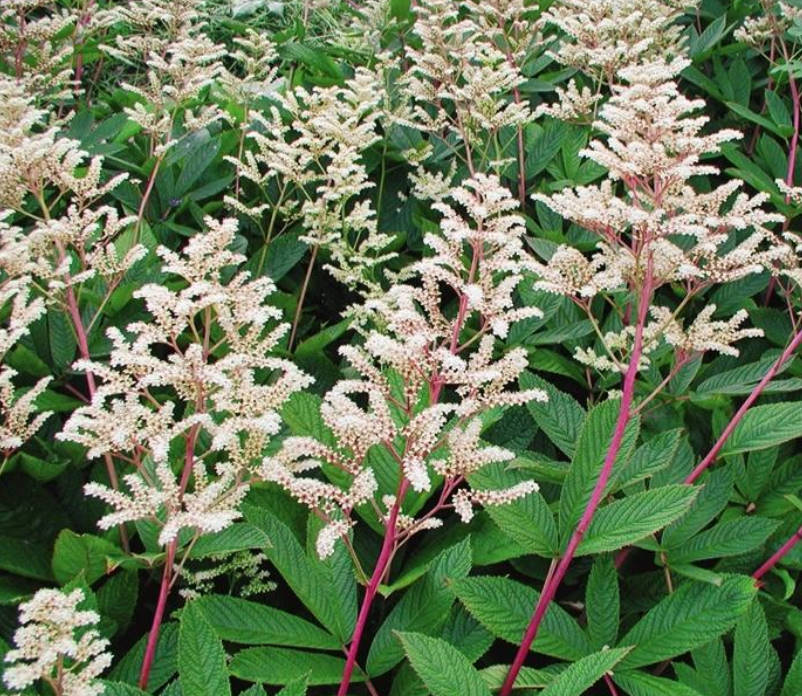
[
  {"x": 201, "y": 658},
  {"x": 504, "y": 607},
  {"x": 582, "y": 674},
  {"x": 630, "y": 519},
  {"x": 443, "y": 669},
  {"x": 692, "y": 616}
]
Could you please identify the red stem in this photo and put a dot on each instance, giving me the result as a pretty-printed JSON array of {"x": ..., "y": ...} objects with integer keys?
[
  {"x": 624, "y": 415},
  {"x": 385, "y": 556},
  {"x": 739, "y": 414},
  {"x": 777, "y": 556},
  {"x": 158, "y": 616},
  {"x": 167, "y": 574}
]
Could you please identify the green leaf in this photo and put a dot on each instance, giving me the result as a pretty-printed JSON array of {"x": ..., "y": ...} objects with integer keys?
[
  {"x": 581, "y": 675},
  {"x": 741, "y": 379},
  {"x": 528, "y": 521},
  {"x": 626, "y": 521},
  {"x": 777, "y": 109},
  {"x": 117, "y": 597},
  {"x": 528, "y": 678},
  {"x": 711, "y": 664},
  {"x": 62, "y": 340},
  {"x": 423, "y": 608},
  {"x": 765, "y": 426},
  {"x": 25, "y": 557},
  {"x": 311, "y": 57},
  {"x": 641, "y": 684},
  {"x": 651, "y": 457},
  {"x": 195, "y": 164},
  {"x": 543, "y": 145},
  {"x": 240, "y": 536},
  {"x": 301, "y": 413},
  {"x": 111, "y": 688},
  {"x": 201, "y": 658},
  {"x": 728, "y": 538},
  {"x": 709, "y": 503},
  {"x": 304, "y": 577},
  {"x": 443, "y": 668},
  {"x": 81, "y": 553},
  {"x": 792, "y": 686},
  {"x": 282, "y": 255},
  {"x": 591, "y": 449},
  {"x": 164, "y": 664},
  {"x": 504, "y": 607},
  {"x": 284, "y": 666},
  {"x": 561, "y": 418},
  {"x": 692, "y": 616},
  {"x": 762, "y": 121},
  {"x": 602, "y": 603},
  {"x": 241, "y": 621},
  {"x": 751, "y": 658},
  {"x": 294, "y": 688}
]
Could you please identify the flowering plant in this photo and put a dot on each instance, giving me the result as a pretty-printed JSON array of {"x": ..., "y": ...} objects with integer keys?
[{"x": 436, "y": 347}]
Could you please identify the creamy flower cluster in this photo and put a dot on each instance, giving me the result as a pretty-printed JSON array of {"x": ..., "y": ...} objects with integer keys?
[
  {"x": 202, "y": 364},
  {"x": 58, "y": 644},
  {"x": 651, "y": 221},
  {"x": 312, "y": 150},
  {"x": 415, "y": 351}
]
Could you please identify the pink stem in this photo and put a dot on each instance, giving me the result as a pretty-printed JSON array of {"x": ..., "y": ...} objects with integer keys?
[
  {"x": 385, "y": 555},
  {"x": 778, "y": 555},
  {"x": 739, "y": 414},
  {"x": 553, "y": 581},
  {"x": 158, "y": 615},
  {"x": 167, "y": 574}
]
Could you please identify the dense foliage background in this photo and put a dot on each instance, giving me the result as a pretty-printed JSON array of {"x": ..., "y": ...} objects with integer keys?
[{"x": 336, "y": 152}]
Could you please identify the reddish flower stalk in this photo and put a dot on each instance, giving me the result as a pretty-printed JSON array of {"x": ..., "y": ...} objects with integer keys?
[
  {"x": 625, "y": 413},
  {"x": 739, "y": 414},
  {"x": 390, "y": 531},
  {"x": 382, "y": 564},
  {"x": 777, "y": 556},
  {"x": 158, "y": 616},
  {"x": 167, "y": 574}
]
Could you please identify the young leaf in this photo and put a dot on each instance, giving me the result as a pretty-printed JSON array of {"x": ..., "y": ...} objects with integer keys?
[
  {"x": 691, "y": 616},
  {"x": 241, "y": 621},
  {"x": 651, "y": 457},
  {"x": 443, "y": 668},
  {"x": 765, "y": 426},
  {"x": 504, "y": 607},
  {"x": 602, "y": 603},
  {"x": 581, "y": 675},
  {"x": 711, "y": 664},
  {"x": 201, "y": 659},
  {"x": 630, "y": 519},
  {"x": 284, "y": 666},
  {"x": 423, "y": 608},
  {"x": 751, "y": 659}
]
